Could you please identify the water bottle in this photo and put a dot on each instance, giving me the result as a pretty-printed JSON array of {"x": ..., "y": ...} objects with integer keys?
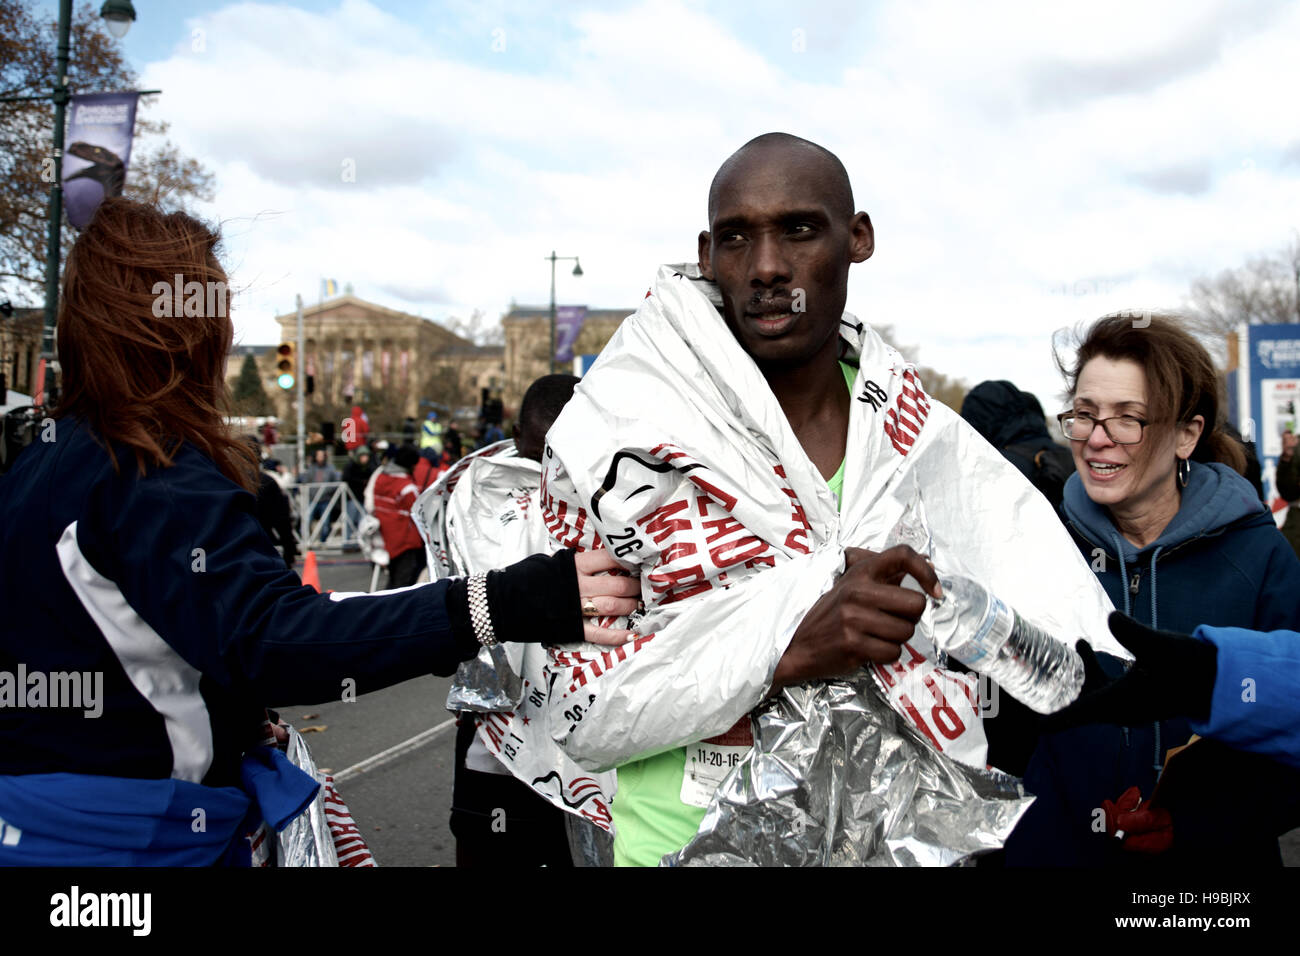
[{"x": 974, "y": 626}]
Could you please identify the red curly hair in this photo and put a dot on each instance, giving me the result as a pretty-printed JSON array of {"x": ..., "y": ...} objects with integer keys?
[{"x": 139, "y": 365}]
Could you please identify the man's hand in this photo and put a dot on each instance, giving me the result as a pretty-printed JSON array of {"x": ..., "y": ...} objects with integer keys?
[{"x": 865, "y": 617}]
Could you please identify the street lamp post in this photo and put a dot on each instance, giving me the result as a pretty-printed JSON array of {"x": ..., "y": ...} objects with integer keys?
[
  {"x": 118, "y": 14},
  {"x": 577, "y": 271}
]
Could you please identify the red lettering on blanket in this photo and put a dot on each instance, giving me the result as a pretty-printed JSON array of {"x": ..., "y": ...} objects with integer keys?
[
  {"x": 660, "y": 523},
  {"x": 678, "y": 585},
  {"x": 726, "y": 500},
  {"x": 596, "y": 811},
  {"x": 944, "y": 717},
  {"x": 578, "y": 661},
  {"x": 917, "y": 720},
  {"x": 728, "y": 553},
  {"x": 678, "y": 549},
  {"x": 798, "y": 515},
  {"x": 676, "y": 453},
  {"x": 496, "y": 733},
  {"x": 912, "y": 407},
  {"x": 721, "y": 527},
  {"x": 578, "y": 525}
]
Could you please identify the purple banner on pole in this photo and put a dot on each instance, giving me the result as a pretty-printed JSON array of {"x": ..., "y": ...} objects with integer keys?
[
  {"x": 568, "y": 323},
  {"x": 99, "y": 136}
]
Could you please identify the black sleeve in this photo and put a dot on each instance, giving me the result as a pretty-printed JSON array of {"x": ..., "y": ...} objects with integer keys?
[{"x": 1288, "y": 478}]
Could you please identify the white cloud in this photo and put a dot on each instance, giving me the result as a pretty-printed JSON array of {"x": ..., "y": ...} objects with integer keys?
[{"x": 1026, "y": 165}]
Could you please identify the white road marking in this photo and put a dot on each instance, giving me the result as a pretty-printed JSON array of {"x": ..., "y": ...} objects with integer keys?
[{"x": 392, "y": 753}]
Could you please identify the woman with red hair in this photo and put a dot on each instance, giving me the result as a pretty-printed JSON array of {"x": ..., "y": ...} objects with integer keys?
[{"x": 139, "y": 577}]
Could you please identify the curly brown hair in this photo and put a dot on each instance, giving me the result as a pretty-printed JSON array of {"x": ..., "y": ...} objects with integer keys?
[{"x": 143, "y": 336}]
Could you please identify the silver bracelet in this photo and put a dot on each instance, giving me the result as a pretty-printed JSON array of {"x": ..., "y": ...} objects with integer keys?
[{"x": 478, "y": 610}]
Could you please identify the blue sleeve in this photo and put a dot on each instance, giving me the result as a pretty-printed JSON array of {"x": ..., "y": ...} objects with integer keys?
[
  {"x": 1256, "y": 691},
  {"x": 185, "y": 549}
]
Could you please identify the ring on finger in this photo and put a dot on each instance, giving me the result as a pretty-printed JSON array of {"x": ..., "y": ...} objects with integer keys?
[{"x": 589, "y": 608}]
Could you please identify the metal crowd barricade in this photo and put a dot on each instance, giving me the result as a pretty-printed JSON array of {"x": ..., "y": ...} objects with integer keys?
[{"x": 316, "y": 503}]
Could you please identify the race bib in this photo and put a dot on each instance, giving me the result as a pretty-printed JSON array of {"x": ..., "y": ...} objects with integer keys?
[{"x": 709, "y": 761}]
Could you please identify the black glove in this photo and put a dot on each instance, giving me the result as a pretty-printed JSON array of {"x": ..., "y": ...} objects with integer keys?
[
  {"x": 1172, "y": 676},
  {"x": 536, "y": 600}
]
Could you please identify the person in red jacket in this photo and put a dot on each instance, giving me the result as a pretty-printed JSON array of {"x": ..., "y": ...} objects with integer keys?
[{"x": 395, "y": 493}]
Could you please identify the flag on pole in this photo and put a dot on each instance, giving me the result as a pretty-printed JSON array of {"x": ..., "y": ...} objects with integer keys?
[{"x": 94, "y": 164}]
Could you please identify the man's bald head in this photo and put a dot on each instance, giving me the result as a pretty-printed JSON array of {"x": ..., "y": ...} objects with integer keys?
[{"x": 831, "y": 175}]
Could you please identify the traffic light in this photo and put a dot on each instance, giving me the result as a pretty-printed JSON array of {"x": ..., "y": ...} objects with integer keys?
[{"x": 284, "y": 366}]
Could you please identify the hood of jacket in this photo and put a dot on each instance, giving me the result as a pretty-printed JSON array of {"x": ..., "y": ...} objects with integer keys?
[
  {"x": 1215, "y": 497},
  {"x": 1003, "y": 414}
]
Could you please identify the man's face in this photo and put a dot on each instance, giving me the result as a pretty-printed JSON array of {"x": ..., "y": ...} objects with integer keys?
[{"x": 779, "y": 248}]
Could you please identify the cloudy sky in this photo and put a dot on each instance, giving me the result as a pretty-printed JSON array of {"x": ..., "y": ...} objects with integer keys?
[{"x": 1027, "y": 165}]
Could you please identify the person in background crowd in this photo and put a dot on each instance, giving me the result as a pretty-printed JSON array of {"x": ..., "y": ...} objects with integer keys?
[
  {"x": 1012, "y": 421},
  {"x": 451, "y": 444},
  {"x": 270, "y": 434},
  {"x": 394, "y": 494},
  {"x": 431, "y": 432},
  {"x": 536, "y": 835},
  {"x": 427, "y": 469},
  {"x": 320, "y": 471},
  {"x": 356, "y": 474},
  {"x": 1288, "y": 487},
  {"x": 1254, "y": 471},
  {"x": 357, "y": 436},
  {"x": 493, "y": 433},
  {"x": 133, "y": 540},
  {"x": 1179, "y": 539},
  {"x": 273, "y": 511}
]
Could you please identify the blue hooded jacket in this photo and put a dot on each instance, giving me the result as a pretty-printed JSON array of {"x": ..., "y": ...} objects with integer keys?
[{"x": 1222, "y": 562}]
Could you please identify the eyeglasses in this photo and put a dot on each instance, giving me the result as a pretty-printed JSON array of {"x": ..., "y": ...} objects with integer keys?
[{"x": 1121, "y": 429}]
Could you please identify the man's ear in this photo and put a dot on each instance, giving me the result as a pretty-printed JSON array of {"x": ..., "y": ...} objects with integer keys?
[
  {"x": 706, "y": 263},
  {"x": 862, "y": 238}
]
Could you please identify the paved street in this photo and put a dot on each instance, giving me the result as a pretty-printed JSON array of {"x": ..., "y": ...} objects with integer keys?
[{"x": 402, "y": 805}]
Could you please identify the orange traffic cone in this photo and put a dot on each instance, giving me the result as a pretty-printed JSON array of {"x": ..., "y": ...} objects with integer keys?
[{"x": 310, "y": 575}]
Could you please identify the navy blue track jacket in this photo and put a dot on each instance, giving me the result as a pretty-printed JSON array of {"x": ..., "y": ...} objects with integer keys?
[
  {"x": 1222, "y": 562},
  {"x": 167, "y": 585}
]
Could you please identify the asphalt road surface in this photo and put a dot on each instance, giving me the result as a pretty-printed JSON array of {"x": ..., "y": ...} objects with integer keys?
[
  {"x": 401, "y": 805},
  {"x": 401, "y": 799}
]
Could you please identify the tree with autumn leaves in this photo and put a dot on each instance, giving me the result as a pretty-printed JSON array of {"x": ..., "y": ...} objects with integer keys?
[{"x": 158, "y": 172}]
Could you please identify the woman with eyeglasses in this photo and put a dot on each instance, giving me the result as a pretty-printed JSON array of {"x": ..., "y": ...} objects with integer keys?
[{"x": 1179, "y": 539}]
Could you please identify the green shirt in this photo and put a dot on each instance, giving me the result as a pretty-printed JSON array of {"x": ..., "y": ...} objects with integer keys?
[{"x": 650, "y": 819}]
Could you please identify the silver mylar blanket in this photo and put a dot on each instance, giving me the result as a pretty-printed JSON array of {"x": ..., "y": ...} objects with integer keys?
[
  {"x": 837, "y": 778},
  {"x": 490, "y": 681},
  {"x": 676, "y": 455},
  {"x": 306, "y": 841}
]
